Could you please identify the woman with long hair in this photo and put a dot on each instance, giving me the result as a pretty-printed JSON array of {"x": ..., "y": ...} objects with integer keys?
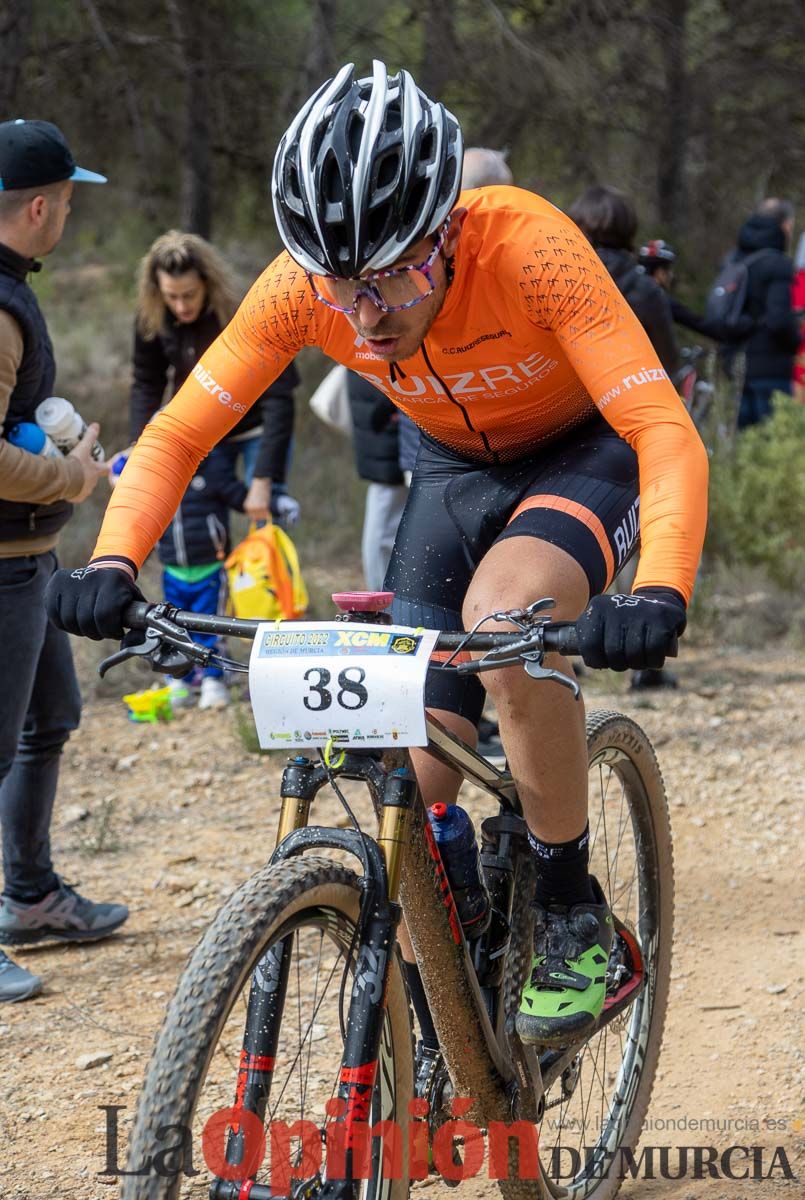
[{"x": 185, "y": 297}]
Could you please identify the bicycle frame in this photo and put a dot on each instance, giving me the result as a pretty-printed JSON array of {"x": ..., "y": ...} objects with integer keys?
[{"x": 501, "y": 1079}]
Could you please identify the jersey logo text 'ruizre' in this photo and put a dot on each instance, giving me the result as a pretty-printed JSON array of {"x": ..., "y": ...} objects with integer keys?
[
  {"x": 644, "y": 375},
  {"x": 502, "y": 380},
  {"x": 207, "y": 381}
]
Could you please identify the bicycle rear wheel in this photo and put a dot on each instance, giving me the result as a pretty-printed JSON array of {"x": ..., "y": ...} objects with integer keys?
[
  {"x": 596, "y": 1103},
  {"x": 303, "y": 912}
]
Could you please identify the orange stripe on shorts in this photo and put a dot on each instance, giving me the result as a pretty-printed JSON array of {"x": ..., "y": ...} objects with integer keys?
[{"x": 573, "y": 509}]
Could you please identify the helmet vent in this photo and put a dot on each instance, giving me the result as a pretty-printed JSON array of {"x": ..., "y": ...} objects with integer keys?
[
  {"x": 387, "y": 171},
  {"x": 427, "y": 149},
  {"x": 354, "y": 135},
  {"x": 377, "y": 219},
  {"x": 332, "y": 184},
  {"x": 413, "y": 204}
]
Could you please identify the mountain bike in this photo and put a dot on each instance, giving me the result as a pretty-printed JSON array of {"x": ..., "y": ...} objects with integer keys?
[{"x": 287, "y": 1051}]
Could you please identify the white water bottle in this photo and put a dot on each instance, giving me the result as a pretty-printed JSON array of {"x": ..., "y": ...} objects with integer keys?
[
  {"x": 31, "y": 438},
  {"x": 64, "y": 425}
]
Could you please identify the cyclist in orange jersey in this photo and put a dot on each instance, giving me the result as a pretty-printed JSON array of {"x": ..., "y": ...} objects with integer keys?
[{"x": 552, "y": 441}]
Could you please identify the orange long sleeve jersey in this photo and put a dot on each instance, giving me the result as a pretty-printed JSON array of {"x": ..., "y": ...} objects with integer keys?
[{"x": 532, "y": 339}]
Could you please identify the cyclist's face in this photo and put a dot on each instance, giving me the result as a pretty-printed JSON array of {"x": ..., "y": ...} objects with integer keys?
[{"x": 396, "y": 336}]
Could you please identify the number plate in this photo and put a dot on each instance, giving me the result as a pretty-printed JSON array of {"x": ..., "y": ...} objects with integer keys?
[{"x": 358, "y": 685}]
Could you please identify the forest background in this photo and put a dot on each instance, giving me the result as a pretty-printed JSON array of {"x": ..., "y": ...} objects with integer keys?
[{"x": 696, "y": 108}]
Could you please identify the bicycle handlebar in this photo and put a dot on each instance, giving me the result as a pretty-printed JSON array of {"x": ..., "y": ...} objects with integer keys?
[{"x": 559, "y": 636}]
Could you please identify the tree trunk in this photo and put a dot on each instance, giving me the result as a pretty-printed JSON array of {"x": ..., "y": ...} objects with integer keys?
[
  {"x": 439, "y": 55},
  {"x": 320, "y": 61},
  {"x": 191, "y": 35},
  {"x": 674, "y": 117},
  {"x": 15, "y": 28}
]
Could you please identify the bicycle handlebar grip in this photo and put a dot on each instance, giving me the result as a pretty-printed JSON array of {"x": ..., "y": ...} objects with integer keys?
[
  {"x": 136, "y": 614},
  {"x": 561, "y": 638}
]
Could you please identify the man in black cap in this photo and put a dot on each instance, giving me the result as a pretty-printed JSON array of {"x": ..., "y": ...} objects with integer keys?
[{"x": 40, "y": 703}]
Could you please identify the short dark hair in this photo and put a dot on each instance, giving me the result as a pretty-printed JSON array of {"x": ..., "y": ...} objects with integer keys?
[
  {"x": 15, "y": 200},
  {"x": 778, "y": 210},
  {"x": 606, "y": 216}
]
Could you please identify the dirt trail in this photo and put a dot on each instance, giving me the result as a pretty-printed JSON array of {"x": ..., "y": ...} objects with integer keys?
[{"x": 179, "y": 815}]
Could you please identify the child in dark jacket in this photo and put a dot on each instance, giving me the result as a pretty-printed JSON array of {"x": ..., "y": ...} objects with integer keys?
[{"x": 192, "y": 551}]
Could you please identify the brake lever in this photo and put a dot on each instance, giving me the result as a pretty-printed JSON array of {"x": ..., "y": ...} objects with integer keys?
[
  {"x": 169, "y": 649},
  {"x": 139, "y": 650},
  {"x": 534, "y": 668}
]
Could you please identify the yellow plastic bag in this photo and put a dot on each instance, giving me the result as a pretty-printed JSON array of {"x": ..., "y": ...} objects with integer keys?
[{"x": 264, "y": 577}]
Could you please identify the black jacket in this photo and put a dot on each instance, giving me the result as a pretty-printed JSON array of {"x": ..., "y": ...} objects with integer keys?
[
  {"x": 199, "y": 532},
  {"x": 374, "y": 432},
  {"x": 647, "y": 300},
  {"x": 772, "y": 346},
  {"x": 177, "y": 350},
  {"x": 34, "y": 383},
  {"x": 712, "y": 329}
]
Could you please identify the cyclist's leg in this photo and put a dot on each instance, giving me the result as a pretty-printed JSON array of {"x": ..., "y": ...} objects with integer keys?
[
  {"x": 542, "y": 726},
  {"x": 569, "y": 535},
  {"x": 429, "y": 573}
]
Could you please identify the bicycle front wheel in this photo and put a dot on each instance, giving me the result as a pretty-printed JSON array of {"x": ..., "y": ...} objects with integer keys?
[
  {"x": 596, "y": 1101},
  {"x": 298, "y": 919}
]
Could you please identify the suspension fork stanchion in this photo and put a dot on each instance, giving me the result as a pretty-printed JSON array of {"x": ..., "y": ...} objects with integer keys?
[
  {"x": 395, "y": 824},
  {"x": 301, "y": 780},
  {"x": 367, "y": 1010}
]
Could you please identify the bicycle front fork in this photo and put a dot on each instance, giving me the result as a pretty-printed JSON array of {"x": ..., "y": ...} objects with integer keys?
[{"x": 380, "y": 915}]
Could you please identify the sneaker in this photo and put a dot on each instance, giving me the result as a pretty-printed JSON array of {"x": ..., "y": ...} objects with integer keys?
[
  {"x": 565, "y": 995},
  {"x": 214, "y": 693},
  {"x": 62, "y": 915},
  {"x": 181, "y": 696},
  {"x": 15, "y": 982}
]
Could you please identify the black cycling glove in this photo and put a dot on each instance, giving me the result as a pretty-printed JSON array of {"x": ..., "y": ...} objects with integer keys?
[
  {"x": 90, "y": 601},
  {"x": 639, "y": 631}
]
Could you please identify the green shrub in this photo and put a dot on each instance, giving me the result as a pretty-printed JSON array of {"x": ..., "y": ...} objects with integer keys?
[{"x": 757, "y": 497}]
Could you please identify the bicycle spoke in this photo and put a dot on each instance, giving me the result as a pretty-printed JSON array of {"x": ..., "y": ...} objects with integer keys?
[
  {"x": 300, "y": 1050},
  {"x": 586, "y": 1122}
]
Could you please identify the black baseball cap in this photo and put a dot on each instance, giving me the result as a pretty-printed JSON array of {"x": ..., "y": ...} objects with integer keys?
[{"x": 34, "y": 154}]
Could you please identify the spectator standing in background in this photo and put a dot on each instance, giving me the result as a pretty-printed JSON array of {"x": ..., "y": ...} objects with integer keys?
[
  {"x": 192, "y": 551},
  {"x": 40, "y": 704},
  {"x": 185, "y": 298},
  {"x": 772, "y": 344},
  {"x": 657, "y": 259},
  {"x": 608, "y": 219}
]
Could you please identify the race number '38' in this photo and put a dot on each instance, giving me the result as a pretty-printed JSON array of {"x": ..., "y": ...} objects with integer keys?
[{"x": 357, "y": 685}]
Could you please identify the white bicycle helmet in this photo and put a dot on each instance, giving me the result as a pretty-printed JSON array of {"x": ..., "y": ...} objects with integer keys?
[{"x": 366, "y": 169}]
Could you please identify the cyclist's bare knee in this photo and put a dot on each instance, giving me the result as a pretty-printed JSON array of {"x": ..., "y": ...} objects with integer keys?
[{"x": 520, "y": 570}]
